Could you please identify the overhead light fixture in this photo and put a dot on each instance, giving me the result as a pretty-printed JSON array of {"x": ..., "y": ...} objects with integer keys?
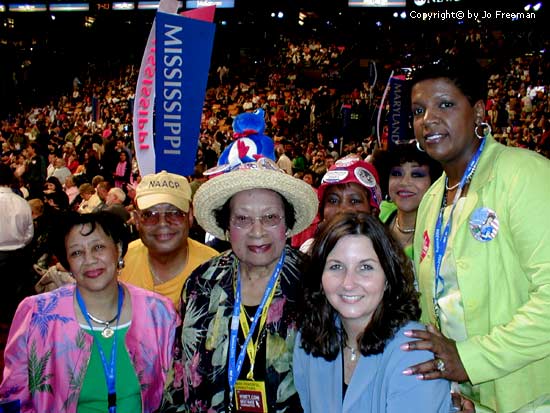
[
  {"x": 26, "y": 8},
  {"x": 89, "y": 21},
  {"x": 126, "y": 5},
  {"x": 148, "y": 5},
  {"x": 69, "y": 7}
]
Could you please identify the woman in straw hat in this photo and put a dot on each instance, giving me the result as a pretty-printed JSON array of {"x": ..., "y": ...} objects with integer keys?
[{"x": 239, "y": 309}]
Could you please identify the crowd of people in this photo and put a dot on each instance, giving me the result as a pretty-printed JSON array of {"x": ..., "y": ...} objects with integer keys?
[{"x": 420, "y": 284}]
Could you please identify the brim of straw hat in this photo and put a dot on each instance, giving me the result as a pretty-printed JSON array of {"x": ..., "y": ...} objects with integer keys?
[{"x": 214, "y": 193}]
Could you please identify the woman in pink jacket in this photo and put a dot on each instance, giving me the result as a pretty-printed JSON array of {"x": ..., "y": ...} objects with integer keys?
[{"x": 97, "y": 345}]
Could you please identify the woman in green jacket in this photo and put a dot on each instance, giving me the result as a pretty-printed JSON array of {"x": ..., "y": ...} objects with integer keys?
[{"x": 482, "y": 252}]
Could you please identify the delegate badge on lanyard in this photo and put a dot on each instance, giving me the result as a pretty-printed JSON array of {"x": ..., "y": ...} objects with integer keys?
[{"x": 250, "y": 396}]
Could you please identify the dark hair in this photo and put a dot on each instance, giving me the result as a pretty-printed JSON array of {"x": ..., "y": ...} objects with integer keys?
[
  {"x": 321, "y": 335},
  {"x": 6, "y": 175},
  {"x": 465, "y": 72},
  {"x": 55, "y": 181},
  {"x": 35, "y": 146},
  {"x": 222, "y": 214},
  {"x": 113, "y": 226},
  {"x": 59, "y": 198},
  {"x": 385, "y": 160}
]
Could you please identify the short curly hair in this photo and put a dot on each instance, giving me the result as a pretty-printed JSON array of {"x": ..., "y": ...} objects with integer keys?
[
  {"x": 113, "y": 226},
  {"x": 463, "y": 71},
  {"x": 322, "y": 336}
]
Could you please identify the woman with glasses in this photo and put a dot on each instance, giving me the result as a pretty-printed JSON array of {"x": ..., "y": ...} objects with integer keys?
[
  {"x": 481, "y": 249},
  {"x": 234, "y": 353},
  {"x": 94, "y": 345}
]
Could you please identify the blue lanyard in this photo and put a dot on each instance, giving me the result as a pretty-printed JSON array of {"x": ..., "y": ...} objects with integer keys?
[
  {"x": 108, "y": 369},
  {"x": 235, "y": 367},
  {"x": 440, "y": 240}
]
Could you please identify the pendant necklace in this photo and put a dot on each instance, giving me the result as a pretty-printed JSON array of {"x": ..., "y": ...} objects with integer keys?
[
  {"x": 353, "y": 352},
  {"x": 107, "y": 330},
  {"x": 249, "y": 317}
]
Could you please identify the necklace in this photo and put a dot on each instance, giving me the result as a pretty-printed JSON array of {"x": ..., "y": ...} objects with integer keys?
[
  {"x": 468, "y": 179},
  {"x": 353, "y": 352},
  {"x": 250, "y": 318},
  {"x": 403, "y": 230},
  {"x": 451, "y": 188},
  {"x": 107, "y": 330},
  {"x": 157, "y": 279},
  {"x": 155, "y": 276}
]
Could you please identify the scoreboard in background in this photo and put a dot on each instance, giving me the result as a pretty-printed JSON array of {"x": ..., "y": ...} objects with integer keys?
[
  {"x": 377, "y": 3},
  {"x": 220, "y": 4},
  {"x": 93, "y": 6}
]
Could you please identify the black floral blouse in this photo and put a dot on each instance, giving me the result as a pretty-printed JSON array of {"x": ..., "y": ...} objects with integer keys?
[{"x": 199, "y": 381}]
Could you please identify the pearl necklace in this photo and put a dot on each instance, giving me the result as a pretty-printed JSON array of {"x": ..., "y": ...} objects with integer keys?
[{"x": 403, "y": 230}]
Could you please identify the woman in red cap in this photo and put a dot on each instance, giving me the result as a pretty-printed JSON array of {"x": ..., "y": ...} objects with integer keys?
[{"x": 350, "y": 185}]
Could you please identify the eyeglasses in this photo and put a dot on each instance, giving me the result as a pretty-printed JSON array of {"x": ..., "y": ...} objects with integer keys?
[
  {"x": 172, "y": 216},
  {"x": 246, "y": 222}
]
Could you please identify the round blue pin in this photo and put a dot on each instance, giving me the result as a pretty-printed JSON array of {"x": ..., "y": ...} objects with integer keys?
[{"x": 484, "y": 224}]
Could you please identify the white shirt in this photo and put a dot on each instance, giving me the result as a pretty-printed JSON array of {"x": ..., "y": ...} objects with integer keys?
[
  {"x": 88, "y": 206},
  {"x": 16, "y": 226}
]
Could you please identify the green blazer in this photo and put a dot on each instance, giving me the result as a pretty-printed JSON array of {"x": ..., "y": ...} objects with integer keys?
[{"x": 504, "y": 282}]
